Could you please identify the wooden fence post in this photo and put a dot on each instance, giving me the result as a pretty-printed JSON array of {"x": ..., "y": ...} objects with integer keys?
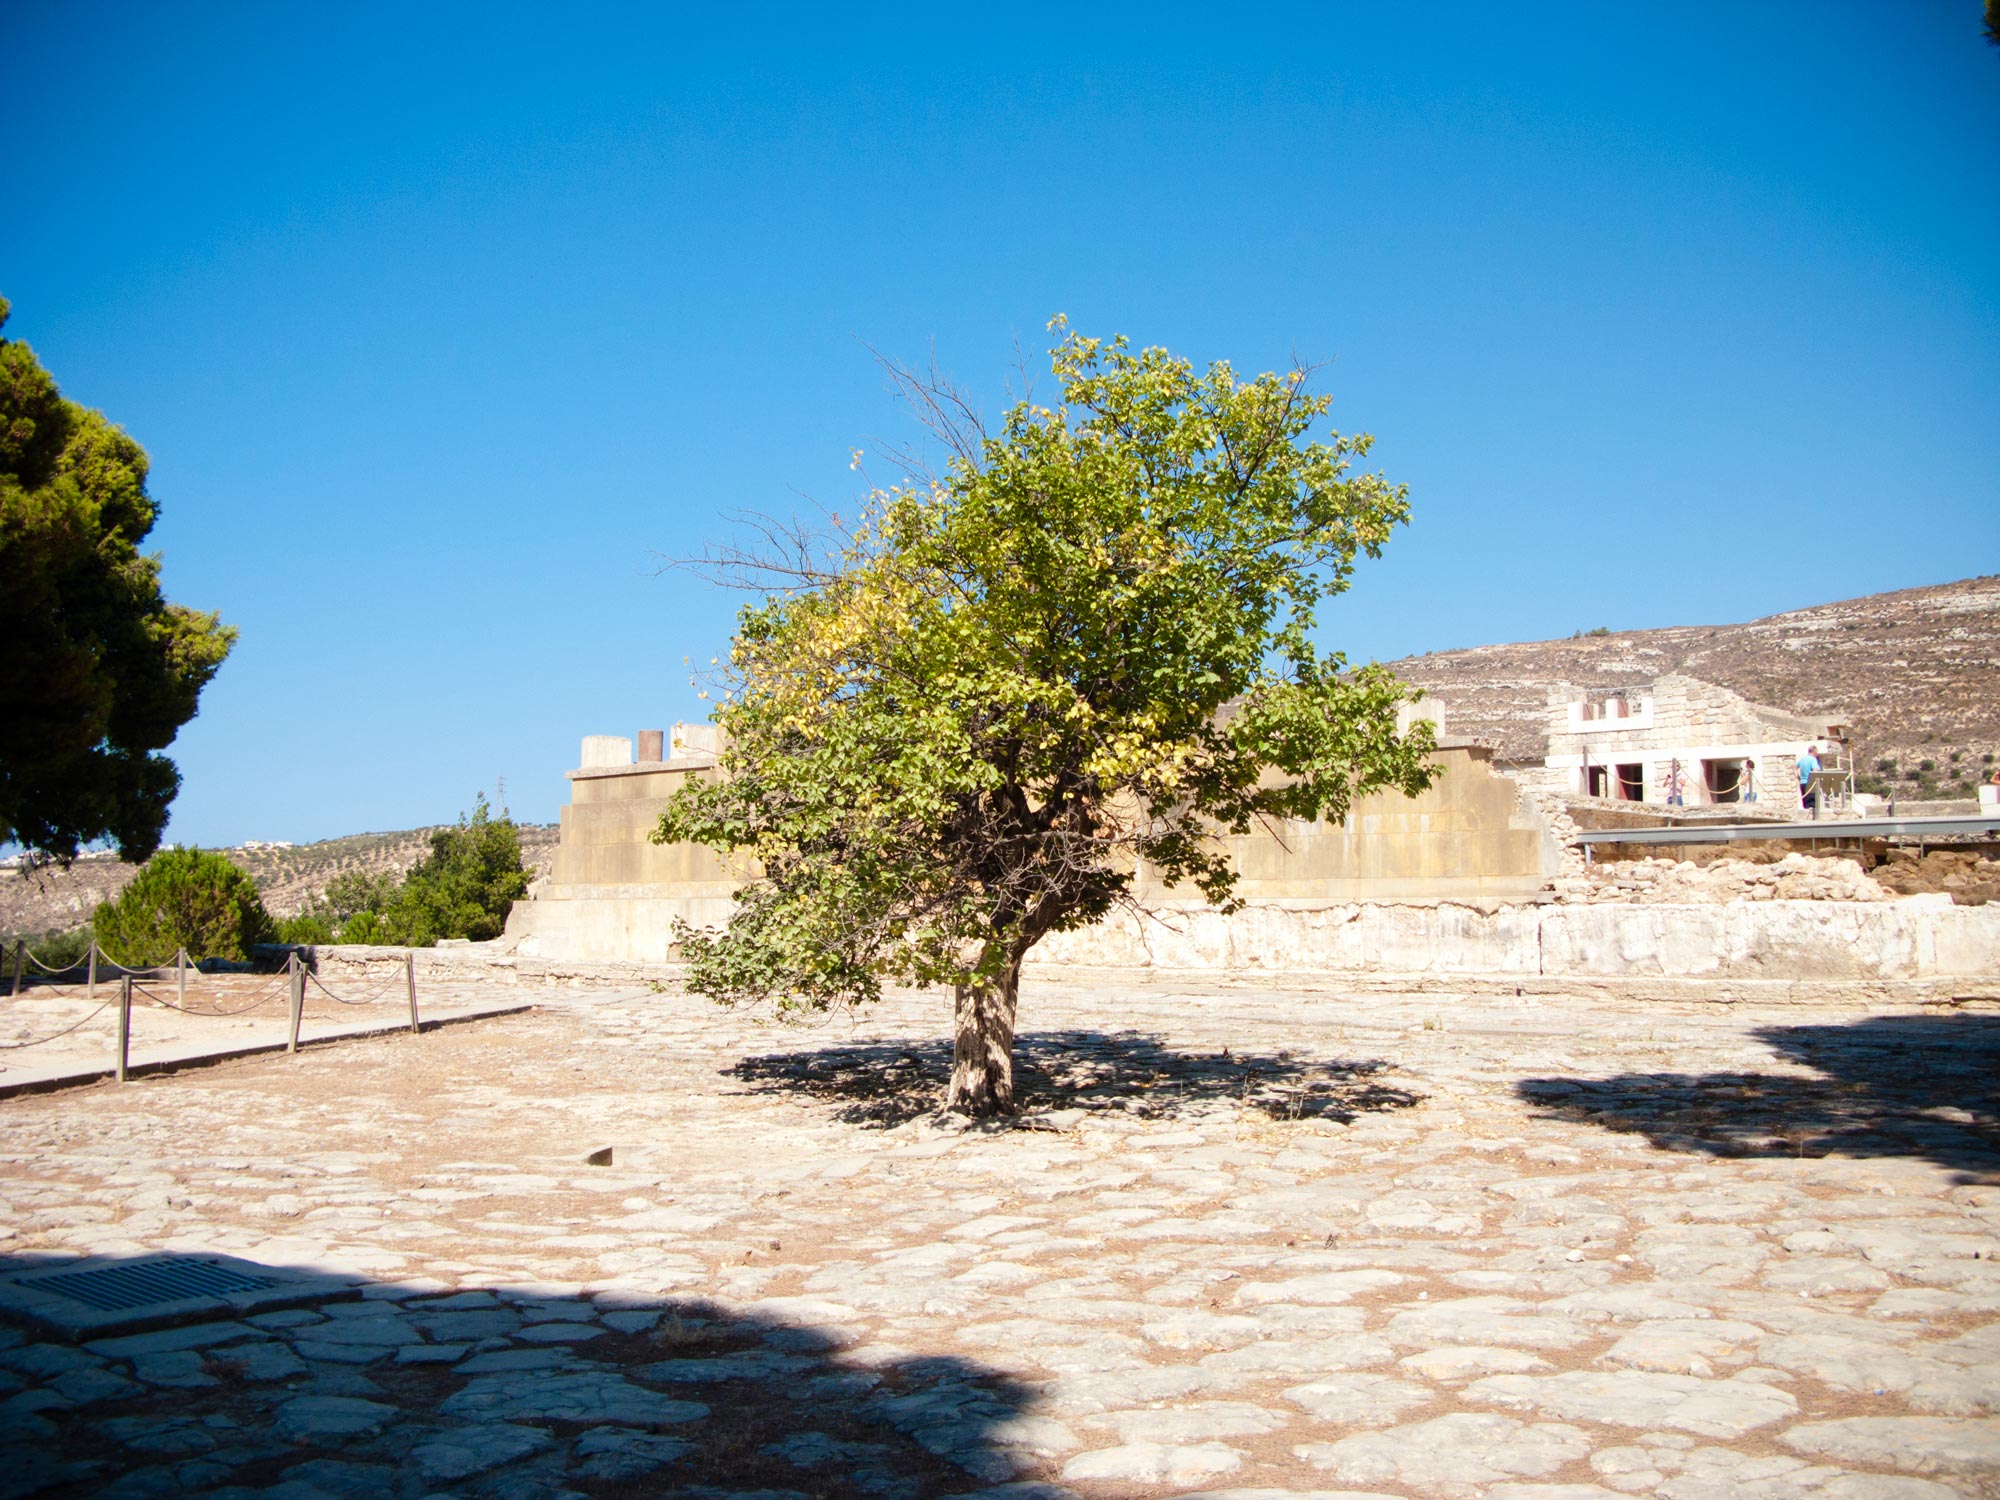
[
  {"x": 92, "y": 991},
  {"x": 20, "y": 957},
  {"x": 410, "y": 983},
  {"x": 124, "y": 1025},
  {"x": 180, "y": 978},
  {"x": 298, "y": 988}
]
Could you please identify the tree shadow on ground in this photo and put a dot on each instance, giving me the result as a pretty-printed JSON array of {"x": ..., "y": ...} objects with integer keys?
[
  {"x": 1925, "y": 1087},
  {"x": 683, "y": 1398},
  {"x": 886, "y": 1084}
]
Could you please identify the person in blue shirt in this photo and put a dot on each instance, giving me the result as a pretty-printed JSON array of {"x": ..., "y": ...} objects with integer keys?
[{"x": 1808, "y": 767}]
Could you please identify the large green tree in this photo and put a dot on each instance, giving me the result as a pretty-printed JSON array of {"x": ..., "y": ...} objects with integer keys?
[
  {"x": 1086, "y": 642},
  {"x": 100, "y": 671}
]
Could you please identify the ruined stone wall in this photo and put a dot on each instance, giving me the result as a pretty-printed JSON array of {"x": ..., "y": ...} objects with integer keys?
[
  {"x": 614, "y": 894},
  {"x": 1706, "y": 951}
]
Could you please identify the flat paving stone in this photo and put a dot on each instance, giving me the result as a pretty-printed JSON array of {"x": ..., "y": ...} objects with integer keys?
[
  {"x": 613, "y": 1453},
  {"x": 1464, "y": 1448},
  {"x": 1643, "y": 1399},
  {"x": 1154, "y": 1463},
  {"x": 475, "y": 1448},
  {"x": 517, "y": 1359},
  {"x": 1192, "y": 1423},
  {"x": 582, "y": 1396},
  {"x": 1359, "y": 1400},
  {"x": 315, "y": 1418},
  {"x": 1924, "y": 1445},
  {"x": 260, "y": 1362}
]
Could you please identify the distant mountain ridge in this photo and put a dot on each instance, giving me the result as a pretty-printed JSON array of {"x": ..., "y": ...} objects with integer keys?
[
  {"x": 288, "y": 876},
  {"x": 1916, "y": 673}
]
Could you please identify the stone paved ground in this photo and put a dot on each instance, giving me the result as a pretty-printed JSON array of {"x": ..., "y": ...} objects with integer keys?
[{"x": 1254, "y": 1244}]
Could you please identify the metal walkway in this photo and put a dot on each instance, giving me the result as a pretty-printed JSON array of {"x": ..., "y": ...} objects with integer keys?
[{"x": 1828, "y": 828}]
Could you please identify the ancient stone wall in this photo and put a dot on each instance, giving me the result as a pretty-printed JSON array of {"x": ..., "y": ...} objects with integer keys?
[
  {"x": 1698, "y": 949},
  {"x": 1472, "y": 834},
  {"x": 613, "y": 894}
]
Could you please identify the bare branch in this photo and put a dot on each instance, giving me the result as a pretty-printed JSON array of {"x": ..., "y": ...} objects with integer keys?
[
  {"x": 774, "y": 553},
  {"x": 940, "y": 406}
]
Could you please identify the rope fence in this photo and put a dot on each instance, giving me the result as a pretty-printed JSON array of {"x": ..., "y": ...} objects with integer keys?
[
  {"x": 57, "y": 1035},
  {"x": 269, "y": 993},
  {"x": 289, "y": 985}
]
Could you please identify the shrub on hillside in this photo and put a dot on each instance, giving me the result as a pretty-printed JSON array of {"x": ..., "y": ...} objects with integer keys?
[
  {"x": 57, "y": 948},
  {"x": 308, "y": 927},
  {"x": 462, "y": 889},
  {"x": 184, "y": 898},
  {"x": 355, "y": 892}
]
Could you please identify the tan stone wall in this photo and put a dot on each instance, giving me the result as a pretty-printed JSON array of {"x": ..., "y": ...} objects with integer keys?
[
  {"x": 1472, "y": 834},
  {"x": 607, "y": 845},
  {"x": 1685, "y": 711},
  {"x": 614, "y": 894}
]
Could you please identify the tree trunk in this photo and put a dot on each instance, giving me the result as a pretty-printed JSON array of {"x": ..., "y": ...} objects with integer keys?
[{"x": 982, "y": 1053}]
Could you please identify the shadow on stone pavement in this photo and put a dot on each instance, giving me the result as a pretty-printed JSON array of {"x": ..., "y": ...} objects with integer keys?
[
  {"x": 1922, "y": 1087},
  {"x": 504, "y": 1394},
  {"x": 890, "y": 1083}
]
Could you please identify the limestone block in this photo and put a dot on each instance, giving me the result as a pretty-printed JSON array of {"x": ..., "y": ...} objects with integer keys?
[
  {"x": 1748, "y": 940},
  {"x": 606, "y": 750}
]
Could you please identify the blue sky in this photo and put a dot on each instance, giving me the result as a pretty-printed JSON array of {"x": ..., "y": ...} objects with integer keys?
[{"x": 440, "y": 323}]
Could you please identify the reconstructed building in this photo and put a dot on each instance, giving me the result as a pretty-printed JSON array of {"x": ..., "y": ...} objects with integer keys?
[{"x": 1682, "y": 741}]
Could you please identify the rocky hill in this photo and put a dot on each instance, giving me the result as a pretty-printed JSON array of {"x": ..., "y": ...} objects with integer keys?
[
  {"x": 288, "y": 875},
  {"x": 1916, "y": 673}
]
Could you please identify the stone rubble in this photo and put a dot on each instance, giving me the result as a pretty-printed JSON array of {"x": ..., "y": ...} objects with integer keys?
[
  {"x": 1244, "y": 1245},
  {"x": 1795, "y": 877}
]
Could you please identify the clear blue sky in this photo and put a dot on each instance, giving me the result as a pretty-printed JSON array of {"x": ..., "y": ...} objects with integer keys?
[{"x": 439, "y": 322}]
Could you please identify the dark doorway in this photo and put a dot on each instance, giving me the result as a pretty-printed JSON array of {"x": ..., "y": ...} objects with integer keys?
[
  {"x": 1632, "y": 783},
  {"x": 1724, "y": 780}
]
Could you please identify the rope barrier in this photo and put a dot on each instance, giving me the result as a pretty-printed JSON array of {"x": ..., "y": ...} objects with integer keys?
[
  {"x": 270, "y": 993},
  {"x": 156, "y": 970},
  {"x": 365, "y": 1000},
  {"x": 110, "y": 968},
  {"x": 52, "y": 1036},
  {"x": 49, "y": 968},
  {"x": 294, "y": 973}
]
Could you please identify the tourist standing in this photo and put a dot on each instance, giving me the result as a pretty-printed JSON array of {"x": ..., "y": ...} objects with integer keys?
[
  {"x": 1747, "y": 782},
  {"x": 1809, "y": 768}
]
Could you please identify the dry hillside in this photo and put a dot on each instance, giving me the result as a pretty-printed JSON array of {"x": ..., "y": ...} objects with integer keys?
[
  {"x": 1916, "y": 673},
  {"x": 53, "y": 899}
]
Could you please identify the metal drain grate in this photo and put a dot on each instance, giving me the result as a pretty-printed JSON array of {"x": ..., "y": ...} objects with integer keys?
[
  {"x": 104, "y": 1295},
  {"x": 145, "y": 1283}
]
